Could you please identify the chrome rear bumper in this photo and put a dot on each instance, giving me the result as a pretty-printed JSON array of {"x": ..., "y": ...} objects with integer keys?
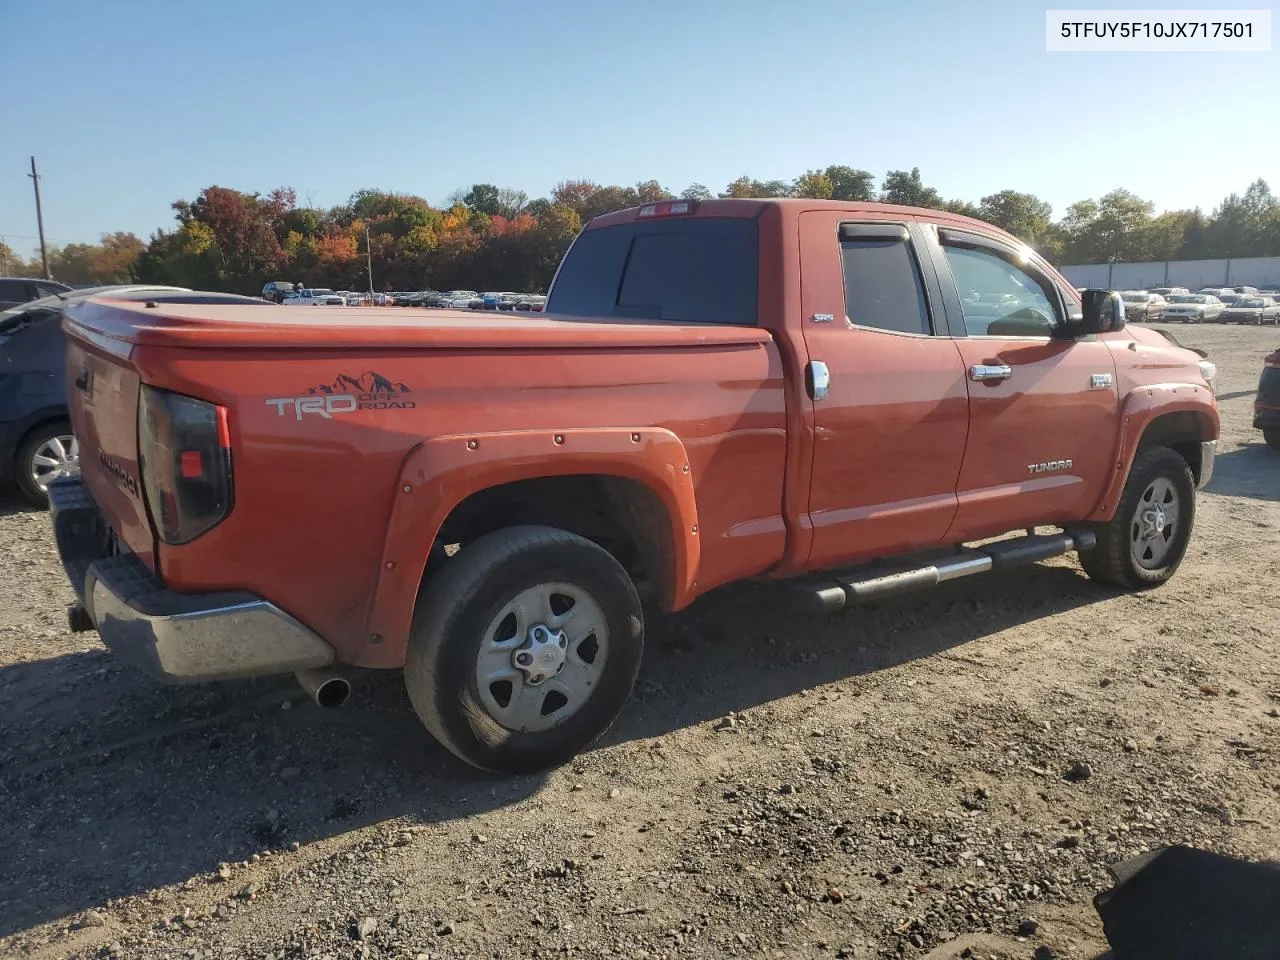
[{"x": 174, "y": 637}]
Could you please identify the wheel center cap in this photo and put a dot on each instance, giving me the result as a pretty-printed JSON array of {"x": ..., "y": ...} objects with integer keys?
[
  {"x": 1155, "y": 521},
  {"x": 542, "y": 655}
]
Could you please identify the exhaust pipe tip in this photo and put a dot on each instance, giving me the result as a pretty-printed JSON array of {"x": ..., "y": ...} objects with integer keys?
[{"x": 327, "y": 688}]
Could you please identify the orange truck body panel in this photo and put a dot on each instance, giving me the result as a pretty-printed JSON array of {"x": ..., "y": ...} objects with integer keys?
[{"x": 336, "y": 507}]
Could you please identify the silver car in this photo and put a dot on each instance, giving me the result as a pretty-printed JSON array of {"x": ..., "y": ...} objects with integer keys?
[
  {"x": 1193, "y": 307},
  {"x": 1257, "y": 310}
]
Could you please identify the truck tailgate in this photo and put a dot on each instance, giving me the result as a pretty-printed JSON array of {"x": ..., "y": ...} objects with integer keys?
[{"x": 103, "y": 397}]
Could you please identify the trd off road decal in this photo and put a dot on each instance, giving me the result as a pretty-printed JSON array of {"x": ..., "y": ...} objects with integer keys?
[{"x": 369, "y": 391}]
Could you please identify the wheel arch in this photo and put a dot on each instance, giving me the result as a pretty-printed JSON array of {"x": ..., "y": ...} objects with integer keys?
[
  {"x": 1178, "y": 416},
  {"x": 629, "y": 490}
]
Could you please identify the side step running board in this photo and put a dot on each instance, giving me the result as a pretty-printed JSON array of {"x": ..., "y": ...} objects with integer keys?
[{"x": 834, "y": 593}]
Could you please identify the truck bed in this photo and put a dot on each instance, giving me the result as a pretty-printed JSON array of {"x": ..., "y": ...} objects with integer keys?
[{"x": 327, "y": 406}]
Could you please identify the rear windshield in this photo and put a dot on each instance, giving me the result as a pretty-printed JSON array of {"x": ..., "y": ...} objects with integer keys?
[{"x": 699, "y": 270}]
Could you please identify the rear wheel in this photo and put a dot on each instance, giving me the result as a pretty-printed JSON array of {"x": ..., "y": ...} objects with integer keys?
[
  {"x": 48, "y": 453},
  {"x": 1145, "y": 541},
  {"x": 524, "y": 648}
]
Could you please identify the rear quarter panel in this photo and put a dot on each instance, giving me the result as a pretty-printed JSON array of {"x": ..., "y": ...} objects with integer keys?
[{"x": 314, "y": 493}]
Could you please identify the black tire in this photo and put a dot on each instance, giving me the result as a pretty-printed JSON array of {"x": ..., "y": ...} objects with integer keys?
[
  {"x": 453, "y": 613},
  {"x": 1112, "y": 560},
  {"x": 23, "y": 461},
  {"x": 1272, "y": 436}
]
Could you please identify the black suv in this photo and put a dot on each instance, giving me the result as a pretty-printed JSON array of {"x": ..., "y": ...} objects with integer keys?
[
  {"x": 36, "y": 444},
  {"x": 1266, "y": 404},
  {"x": 16, "y": 290}
]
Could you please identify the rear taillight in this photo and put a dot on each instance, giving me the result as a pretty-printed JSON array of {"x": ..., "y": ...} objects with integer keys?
[{"x": 184, "y": 453}]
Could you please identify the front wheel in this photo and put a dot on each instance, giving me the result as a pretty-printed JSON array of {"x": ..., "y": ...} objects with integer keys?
[
  {"x": 524, "y": 648},
  {"x": 1146, "y": 539}
]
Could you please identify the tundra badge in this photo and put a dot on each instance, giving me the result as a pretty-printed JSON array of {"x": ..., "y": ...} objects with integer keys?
[
  {"x": 1100, "y": 381},
  {"x": 1048, "y": 466}
]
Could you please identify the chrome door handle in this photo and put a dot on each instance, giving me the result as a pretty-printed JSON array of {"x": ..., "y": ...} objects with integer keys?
[
  {"x": 817, "y": 379},
  {"x": 984, "y": 372}
]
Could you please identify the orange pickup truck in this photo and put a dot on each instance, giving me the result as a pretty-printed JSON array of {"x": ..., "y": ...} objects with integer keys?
[{"x": 839, "y": 395}]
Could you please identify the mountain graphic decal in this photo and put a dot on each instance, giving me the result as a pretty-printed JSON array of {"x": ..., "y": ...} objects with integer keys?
[{"x": 367, "y": 383}]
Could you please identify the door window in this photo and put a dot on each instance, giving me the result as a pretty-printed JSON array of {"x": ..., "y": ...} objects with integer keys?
[
  {"x": 999, "y": 298},
  {"x": 882, "y": 285}
]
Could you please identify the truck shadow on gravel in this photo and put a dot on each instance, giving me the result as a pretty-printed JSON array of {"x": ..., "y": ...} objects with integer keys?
[
  {"x": 11, "y": 503},
  {"x": 112, "y": 785},
  {"x": 1250, "y": 471}
]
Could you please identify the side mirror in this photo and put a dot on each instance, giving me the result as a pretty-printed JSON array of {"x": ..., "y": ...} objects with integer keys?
[{"x": 1103, "y": 312}]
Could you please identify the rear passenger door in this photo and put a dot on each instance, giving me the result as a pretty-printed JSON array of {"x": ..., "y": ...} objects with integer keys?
[
  {"x": 1042, "y": 408},
  {"x": 890, "y": 407}
]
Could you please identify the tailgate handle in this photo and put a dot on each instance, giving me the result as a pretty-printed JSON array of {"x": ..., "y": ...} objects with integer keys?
[{"x": 82, "y": 381}]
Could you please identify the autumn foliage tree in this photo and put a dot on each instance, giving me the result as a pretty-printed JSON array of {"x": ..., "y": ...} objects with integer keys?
[{"x": 491, "y": 237}]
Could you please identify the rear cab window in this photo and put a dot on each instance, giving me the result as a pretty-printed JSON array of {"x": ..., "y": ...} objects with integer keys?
[
  {"x": 671, "y": 270},
  {"x": 883, "y": 287}
]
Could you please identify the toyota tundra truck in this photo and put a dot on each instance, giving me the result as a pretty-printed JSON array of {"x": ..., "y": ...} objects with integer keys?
[{"x": 854, "y": 398}]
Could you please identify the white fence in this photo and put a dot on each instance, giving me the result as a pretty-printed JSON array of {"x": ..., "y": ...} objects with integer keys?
[{"x": 1192, "y": 274}]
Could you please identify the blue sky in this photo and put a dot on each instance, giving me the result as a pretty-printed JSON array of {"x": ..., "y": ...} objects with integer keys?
[{"x": 131, "y": 104}]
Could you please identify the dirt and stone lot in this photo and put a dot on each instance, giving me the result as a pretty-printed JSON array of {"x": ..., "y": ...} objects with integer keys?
[{"x": 891, "y": 782}]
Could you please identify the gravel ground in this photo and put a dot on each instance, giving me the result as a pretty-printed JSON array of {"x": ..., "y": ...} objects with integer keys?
[{"x": 919, "y": 778}]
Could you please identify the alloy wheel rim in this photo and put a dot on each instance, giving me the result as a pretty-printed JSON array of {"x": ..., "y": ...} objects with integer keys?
[
  {"x": 1155, "y": 524},
  {"x": 542, "y": 657},
  {"x": 57, "y": 457}
]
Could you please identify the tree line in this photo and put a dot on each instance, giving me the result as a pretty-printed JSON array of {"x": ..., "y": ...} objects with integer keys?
[{"x": 488, "y": 237}]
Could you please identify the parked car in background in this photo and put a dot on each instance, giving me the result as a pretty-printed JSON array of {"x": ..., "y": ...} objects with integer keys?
[
  {"x": 1215, "y": 291},
  {"x": 1168, "y": 292},
  {"x": 1266, "y": 403},
  {"x": 498, "y": 301},
  {"x": 1229, "y": 298},
  {"x": 1141, "y": 305},
  {"x": 459, "y": 299},
  {"x": 536, "y": 303},
  {"x": 277, "y": 290},
  {"x": 1257, "y": 310},
  {"x": 315, "y": 297},
  {"x": 1193, "y": 308},
  {"x": 1246, "y": 289},
  {"x": 19, "y": 290},
  {"x": 36, "y": 441}
]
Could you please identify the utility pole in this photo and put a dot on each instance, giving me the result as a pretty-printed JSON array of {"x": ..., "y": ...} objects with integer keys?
[
  {"x": 368, "y": 252},
  {"x": 44, "y": 256}
]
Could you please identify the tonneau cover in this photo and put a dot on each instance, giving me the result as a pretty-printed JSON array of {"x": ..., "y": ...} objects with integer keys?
[{"x": 231, "y": 326}]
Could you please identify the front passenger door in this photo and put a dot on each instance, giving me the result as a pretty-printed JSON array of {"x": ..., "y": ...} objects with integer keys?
[{"x": 1042, "y": 408}]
